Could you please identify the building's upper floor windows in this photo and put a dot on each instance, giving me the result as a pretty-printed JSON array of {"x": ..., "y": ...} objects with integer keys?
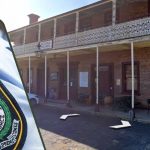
[
  {"x": 32, "y": 34},
  {"x": 128, "y": 10},
  {"x": 47, "y": 30},
  {"x": 66, "y": 25},
  {"x": 17, "y": 37},
  {"x": 95, "y": 17}
]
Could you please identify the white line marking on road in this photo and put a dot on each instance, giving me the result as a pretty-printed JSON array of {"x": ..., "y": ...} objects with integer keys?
[
  {"x": 125, "y": 124},
  {"x": 64, "y": 117}
]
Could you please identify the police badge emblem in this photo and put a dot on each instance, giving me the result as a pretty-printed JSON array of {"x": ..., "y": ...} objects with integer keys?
[{"x": 13, "y": 126}]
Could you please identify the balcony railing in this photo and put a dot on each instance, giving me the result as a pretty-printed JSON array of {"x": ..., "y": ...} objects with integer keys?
[
  {"x": 65, "y": 41},
  {"x": 121, "y": 31},
  {"x": 26, "y": 48}
]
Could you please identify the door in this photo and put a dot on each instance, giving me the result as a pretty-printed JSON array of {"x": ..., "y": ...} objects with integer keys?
[
  {"x": 105, "y": 81},
  {"x": 73, "y": 81},
  {"x": 62, "y": 82},
  {"x": 40, "y": 82},
  {"x": 31, "y": 80},
  {"x": 73, "y": 84}
]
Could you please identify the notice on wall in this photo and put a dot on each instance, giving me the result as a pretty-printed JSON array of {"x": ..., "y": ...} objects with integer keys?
[
  {"x": 118, "y": 82},
  {"x": 83, "y": 77}
]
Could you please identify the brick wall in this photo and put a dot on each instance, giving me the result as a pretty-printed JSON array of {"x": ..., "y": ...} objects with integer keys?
[
  {"x": 32, "y": 34},
  {"x": 17, "y": 37},
  {"x": 96, "y": 17},
  {"x": 128, "y": 10},
  {"x": 66, "y": 25},
  {"x": 47, "y": 30},
  {"x": 84, "y": 65}
]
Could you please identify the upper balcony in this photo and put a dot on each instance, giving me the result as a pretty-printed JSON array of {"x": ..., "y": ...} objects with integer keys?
[{"x": 101, "y": 22}]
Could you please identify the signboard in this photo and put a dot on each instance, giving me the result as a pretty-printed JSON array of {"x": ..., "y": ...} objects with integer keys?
[
  {"x": 45, "y": 45},
  {"x": 83, "y": 79},
  {"x": 54, "y": 76}
]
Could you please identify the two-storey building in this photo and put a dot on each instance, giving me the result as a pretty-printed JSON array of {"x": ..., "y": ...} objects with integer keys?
[{"x": 100, "y": 51}]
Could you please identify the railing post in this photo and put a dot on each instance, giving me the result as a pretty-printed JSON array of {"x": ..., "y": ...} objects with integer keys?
[
  {"x": 77, "y": 27},
  {"x": 45, "y": 77},
  {"x": 55, "y": 21},
  {"x": 24, "y": 40},
  {"x": 113, "y": 12},
  {"x": 132, "y": 70},
  {"x": 39, "y": 33},
  {"x": 29, "y": 74},
  {"x": 68, "y": 81},
  {"x": 77, "y": 22},
  {"x": 97, "y": 79},
  {"x": 132, "y": 112}
]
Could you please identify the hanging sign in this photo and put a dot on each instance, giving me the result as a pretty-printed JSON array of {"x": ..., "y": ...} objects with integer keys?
[{"x": 45, "y": 45}]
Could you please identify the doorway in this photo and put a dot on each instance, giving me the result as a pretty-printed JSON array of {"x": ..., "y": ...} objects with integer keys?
[
  {"x": 105, "y": 81},
  {"x": 73, "y": 81},
  {"x": 41, "y": 82}
]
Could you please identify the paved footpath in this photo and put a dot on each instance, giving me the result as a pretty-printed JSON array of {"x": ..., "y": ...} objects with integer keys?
[{"x": 88, "y": 132}]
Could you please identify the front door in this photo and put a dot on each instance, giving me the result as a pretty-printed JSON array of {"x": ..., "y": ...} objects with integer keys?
[
  {"x": 73, "y": 81},
  {"x": 40, "y": 82},
  {"x": 73, "y": 84},
  {"x": 105, "y": 81},
  {"x": 62, "y": 82}
]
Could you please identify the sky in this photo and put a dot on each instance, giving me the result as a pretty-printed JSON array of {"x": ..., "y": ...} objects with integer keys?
[{"x": 14, "y": 12}]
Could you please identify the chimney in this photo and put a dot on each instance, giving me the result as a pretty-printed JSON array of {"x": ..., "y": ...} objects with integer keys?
[{"x": 33, "y": 18}]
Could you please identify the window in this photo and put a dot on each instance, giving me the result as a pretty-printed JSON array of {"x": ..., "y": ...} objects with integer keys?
[{"x": 127, "y": 78}]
